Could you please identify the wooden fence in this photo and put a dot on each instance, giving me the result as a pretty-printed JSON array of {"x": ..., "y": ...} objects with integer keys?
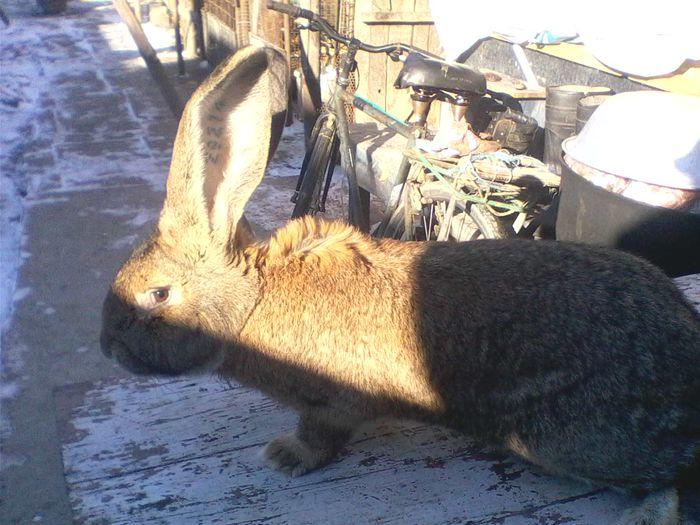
[{"x": 386, "y": 21}]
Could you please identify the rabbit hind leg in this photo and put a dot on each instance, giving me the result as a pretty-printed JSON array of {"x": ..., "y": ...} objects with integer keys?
[{"x": 657, "y": 508}]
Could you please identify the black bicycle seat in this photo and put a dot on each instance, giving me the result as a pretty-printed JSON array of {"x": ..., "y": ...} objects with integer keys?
[{"x": 433, "y": 74}]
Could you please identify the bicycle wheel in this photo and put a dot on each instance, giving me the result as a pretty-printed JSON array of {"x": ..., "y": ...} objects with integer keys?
[
  {"x": 318, "y": 164},
  {"x": 475, "y": 221},
  {"x": 470, "y": 221}
]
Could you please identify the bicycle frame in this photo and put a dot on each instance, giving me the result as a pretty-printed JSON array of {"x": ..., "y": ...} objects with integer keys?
[{"x": 358, "y": 198}]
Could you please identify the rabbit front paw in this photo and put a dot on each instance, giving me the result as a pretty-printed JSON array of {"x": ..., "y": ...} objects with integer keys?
[{"x": 292, "y": 456}]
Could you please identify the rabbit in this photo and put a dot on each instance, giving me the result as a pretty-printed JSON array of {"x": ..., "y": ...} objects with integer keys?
[{"x": 579, "y": 359}]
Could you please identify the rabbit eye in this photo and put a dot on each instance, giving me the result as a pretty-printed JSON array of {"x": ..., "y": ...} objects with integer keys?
[{"x": 160, "y": 295}]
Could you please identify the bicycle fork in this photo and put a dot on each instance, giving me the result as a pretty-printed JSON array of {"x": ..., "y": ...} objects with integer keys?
[
  {"x": 323, "y": 132},
  {"x": 358, "y": 203}
]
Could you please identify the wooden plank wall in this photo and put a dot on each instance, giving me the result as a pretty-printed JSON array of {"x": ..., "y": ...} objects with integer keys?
[{"x": 387, "y": 21}]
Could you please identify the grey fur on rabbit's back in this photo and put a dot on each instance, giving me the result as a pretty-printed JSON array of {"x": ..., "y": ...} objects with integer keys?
[{"x": 583, "y": 360}]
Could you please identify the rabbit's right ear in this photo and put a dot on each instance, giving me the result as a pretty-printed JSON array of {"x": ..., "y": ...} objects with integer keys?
[{"x": 228, "y": 132}]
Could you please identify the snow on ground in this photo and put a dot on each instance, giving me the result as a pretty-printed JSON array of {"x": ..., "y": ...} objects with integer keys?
[{"x": 31, "y": 115}]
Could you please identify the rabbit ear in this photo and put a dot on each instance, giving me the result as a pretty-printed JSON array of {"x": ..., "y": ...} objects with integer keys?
[{"x": 229, "y": 130}]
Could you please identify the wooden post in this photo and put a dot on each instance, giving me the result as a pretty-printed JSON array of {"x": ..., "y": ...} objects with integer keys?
[
  {"x": 235, "y": 9},
  {"x": 196, "y": 16},
  {"x": 178, "y": 41},
  {"x": 287, "y": 29},
  {"x": 137, "y": 10},
  {"x": 310, "y": 65},
  {"x": 245, "y": 25},
  {"x": 172, "y": 98}
]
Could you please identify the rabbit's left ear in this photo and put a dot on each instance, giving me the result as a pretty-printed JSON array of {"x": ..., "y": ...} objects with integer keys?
[{"x": 229, "y": 130}]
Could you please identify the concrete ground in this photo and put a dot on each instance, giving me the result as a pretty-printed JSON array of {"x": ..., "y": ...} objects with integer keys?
[{"x": 88, "y": 170}]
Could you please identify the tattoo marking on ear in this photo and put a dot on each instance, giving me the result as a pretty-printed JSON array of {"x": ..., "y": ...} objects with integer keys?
[
  {"x": 213, "y": 133},
  {"x": 216, "y": 131}
]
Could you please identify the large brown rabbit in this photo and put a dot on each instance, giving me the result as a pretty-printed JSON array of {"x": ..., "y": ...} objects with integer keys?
[{"x": 585, "y": 361}]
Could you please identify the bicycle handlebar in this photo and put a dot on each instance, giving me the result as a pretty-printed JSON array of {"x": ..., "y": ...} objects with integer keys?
[
  {"x": 289, "y": 9},
  {"x": 325, "y": 27}
]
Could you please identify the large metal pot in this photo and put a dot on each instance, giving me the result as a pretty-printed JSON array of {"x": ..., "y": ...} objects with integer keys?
[{"x": 643, "y": 139}]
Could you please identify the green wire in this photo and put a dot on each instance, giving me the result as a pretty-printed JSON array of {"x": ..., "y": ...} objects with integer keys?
[{"x": 440, "y": 173}]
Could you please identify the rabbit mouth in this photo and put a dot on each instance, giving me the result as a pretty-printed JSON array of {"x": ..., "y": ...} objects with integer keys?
[{"x": 127, "y": 359}]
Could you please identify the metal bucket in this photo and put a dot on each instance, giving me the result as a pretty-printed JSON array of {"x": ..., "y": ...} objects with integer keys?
[
  {"x": 585, "y": 108},
  {"x": 560, "y": 118}
]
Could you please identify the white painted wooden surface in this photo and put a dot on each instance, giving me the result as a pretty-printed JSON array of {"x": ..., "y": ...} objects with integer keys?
[
  {"x": 147, "y": 451},
  {"x": 187, "y": 452}
]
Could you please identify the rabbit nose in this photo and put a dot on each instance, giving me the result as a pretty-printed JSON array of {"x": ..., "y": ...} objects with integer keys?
[
  {"x": 115, "y": 318},
  {"x": 142, "y": 314}
]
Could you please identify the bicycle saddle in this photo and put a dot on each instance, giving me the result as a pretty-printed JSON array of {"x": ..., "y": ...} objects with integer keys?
[{"x": 432, "y": 74}]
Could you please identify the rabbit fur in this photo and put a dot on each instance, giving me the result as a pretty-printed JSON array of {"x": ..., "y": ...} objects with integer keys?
[{"x": 583, "y": 360}]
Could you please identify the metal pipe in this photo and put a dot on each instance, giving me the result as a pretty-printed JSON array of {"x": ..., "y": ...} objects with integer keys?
[{"x": 377, "y": 114}]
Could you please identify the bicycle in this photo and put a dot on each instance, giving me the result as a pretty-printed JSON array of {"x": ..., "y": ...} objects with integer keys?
[{"x": 442, "y": 204}]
